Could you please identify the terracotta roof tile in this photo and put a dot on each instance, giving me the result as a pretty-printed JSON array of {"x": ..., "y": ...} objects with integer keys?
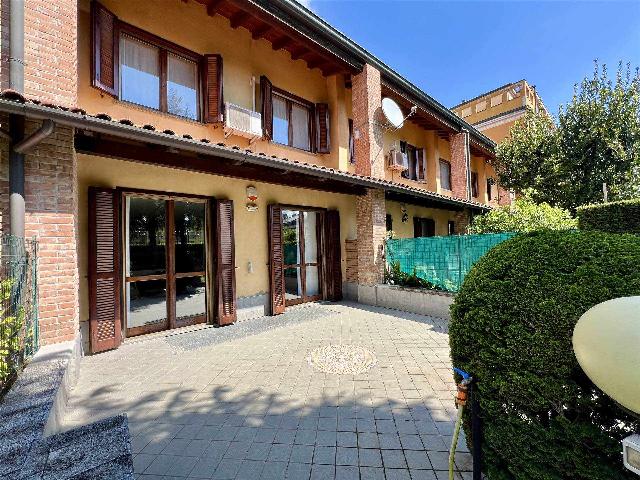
[{"x": 13, "y": 96}]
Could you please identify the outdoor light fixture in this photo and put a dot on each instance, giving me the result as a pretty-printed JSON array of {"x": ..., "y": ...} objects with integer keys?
[
  {"x": 631, "y": 453},
  {"x": 605, "y": 342}
]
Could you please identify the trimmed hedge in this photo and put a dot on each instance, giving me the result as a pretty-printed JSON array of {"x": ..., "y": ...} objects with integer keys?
[
  {"x": 511, "y": 328},
  {"x": 615, "y": 217}
]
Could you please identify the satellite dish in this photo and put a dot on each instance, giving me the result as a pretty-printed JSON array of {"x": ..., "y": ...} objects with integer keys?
[
  {"x": 392, "y": 112},
  {"x": 605, "y": 342}
]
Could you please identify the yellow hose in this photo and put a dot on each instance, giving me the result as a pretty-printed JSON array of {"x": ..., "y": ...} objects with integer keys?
[{"x": 454, "y": 441}]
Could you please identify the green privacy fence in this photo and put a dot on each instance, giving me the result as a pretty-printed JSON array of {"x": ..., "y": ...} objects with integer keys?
[
  {"x": 19, "y": 335},
  {"x": 442, "y": 261}
]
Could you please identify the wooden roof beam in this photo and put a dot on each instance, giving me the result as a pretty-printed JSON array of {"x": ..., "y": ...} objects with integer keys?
[
  {"x": 213, "y": 6},
  {"x": 261, "y": 31},
  {"x": 315, "y": 63},
  {"x": 238, "y": 19},
  {"x": 330, "y": 69},
  {"x": 298, "y": 53},
  {"x": 281, "y": 42}
]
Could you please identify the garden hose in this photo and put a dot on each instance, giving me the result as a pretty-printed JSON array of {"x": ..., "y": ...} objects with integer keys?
[{"x": 461, "y": 401}]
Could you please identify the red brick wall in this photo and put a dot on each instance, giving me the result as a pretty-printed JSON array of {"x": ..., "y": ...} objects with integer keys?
[
  {"x": 366, "y": 105},
  {"x": 371, "y": 224},
  {"x": 51, "y": 211},
  {"x": 458, "y": 147},
  {"x": 4, "y": 43},
  {"x": 51, "y": 49}
]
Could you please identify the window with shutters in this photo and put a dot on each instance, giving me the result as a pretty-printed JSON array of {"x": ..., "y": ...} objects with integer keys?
[
  {"x": 158, "y": 75},
  {"x": 489, "y": 189},
  {"x": 352, "y": 146},
  {"x": 291, "y": 121},
  {"x": 445, "y": 174}
]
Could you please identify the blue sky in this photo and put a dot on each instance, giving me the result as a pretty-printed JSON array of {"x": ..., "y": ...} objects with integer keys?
[{"x": 456, "y": 50}]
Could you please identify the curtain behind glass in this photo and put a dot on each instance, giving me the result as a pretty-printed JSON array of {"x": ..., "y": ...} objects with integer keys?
[
  {"x": 139, "y": 72},
  {"x": 280, "y": 121},
  {"x": 300, "y": 121},
  {"x": 182, "y": 97}
]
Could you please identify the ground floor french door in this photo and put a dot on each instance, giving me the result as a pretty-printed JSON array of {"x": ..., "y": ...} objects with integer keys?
[
  {"x": 302, "y": 237},
  {"x": 165, "y": 258}
]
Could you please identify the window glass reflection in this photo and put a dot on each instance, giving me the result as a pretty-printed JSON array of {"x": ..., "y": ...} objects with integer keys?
[
  {"x": 291, "y": 236},
  {"x": 146, "y": 228},
  {"x": 189, "y": 236},
  {"x": 190, "y": 297},
  {"x": 146, "y": 303}
]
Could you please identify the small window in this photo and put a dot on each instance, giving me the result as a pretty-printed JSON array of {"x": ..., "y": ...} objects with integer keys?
[
  {"x": 474, "y": 184},
  {"x": 445, "y": 175},
  {"x": 155, "y": 77},
  {"x": 424, "y": 227},
  {"x": 389, "y": 221},
  {"x": 352, "y": 149},
  {"x": 466, "y": 112},
  {"x": 481, "y": 106},
  {"x": 489, "y": 189},
  {"x": 451, "y": 227},
  {"x": 291, "y": 122},
  {"x": 496, "y": 100}
]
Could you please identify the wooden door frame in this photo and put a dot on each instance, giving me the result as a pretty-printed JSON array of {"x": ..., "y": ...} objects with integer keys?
[
  {"x": 170, "y": 276},
  {"x": 320, "y": 219}
]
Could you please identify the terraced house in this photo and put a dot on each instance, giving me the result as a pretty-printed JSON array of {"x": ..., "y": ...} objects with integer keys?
[{"x": 186, "y": 161}]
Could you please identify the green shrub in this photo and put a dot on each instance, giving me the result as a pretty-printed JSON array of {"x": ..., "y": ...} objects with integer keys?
[
  {"x": 616, "y": 217},
  {"x": 511, "y": 328},
  {"x": 395, "y": 276},
  {"x": 524, "y": 216}
]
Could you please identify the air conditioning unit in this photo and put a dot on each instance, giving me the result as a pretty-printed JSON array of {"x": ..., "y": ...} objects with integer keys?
[
  {"x": 242, "y": 122},
  {"x": 397, "y": 161}
]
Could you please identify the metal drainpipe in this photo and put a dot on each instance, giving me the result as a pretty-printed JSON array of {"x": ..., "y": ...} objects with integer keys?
[
  {"x": 467, "y": 161},
  {"x": 16, "y": 123}
]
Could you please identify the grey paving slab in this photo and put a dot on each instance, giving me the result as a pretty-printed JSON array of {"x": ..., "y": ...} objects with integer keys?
[{"x": 243, "y": 401}]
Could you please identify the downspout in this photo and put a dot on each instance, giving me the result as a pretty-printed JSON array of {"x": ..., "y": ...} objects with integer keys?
[
  {"x": 467, "y": 162},
  {"x": 16, "y": 123}
]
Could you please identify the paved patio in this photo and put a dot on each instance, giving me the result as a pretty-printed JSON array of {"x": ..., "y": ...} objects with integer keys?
[{"x": 243, "y": 402}]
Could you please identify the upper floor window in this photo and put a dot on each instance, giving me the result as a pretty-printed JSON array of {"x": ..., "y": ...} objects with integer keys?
[
  {"x": 154, "y": 77},
  {"x": 414, "y": 160},
  {"x": 291, "y": 122},
  {"x": 139, "y": 67},
  {"x": 489, "y": 189},
  {"x": 445, "y": 174},
  {"x": 474, "y": 184}
]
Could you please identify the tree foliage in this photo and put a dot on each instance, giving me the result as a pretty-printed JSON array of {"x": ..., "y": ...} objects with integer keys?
[
  {"x": 523, "y": 216},
  {"x": 596, "y": 140}
]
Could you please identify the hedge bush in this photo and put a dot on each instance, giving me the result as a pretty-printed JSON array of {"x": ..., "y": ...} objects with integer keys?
[
  {"x": 615, "y": 217},
  {"x": 511, "y": 327}
]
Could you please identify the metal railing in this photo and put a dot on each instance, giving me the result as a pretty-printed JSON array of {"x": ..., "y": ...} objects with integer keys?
[
  {"x": 19, "y": 333},
  {"x": 443, "y": 262}
]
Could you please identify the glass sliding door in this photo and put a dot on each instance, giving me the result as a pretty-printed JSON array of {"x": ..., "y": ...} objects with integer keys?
[
  {"x": 301, "y": 234},
  {"x": 165, "y": 263}
]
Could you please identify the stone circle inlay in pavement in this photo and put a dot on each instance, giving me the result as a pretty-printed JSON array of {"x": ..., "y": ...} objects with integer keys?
[{"x": 342, "y": 359}]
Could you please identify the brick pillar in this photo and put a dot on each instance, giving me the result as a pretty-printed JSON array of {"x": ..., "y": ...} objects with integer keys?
[
  {"x": 371, "y": 223},
  {"x": 51, "y": 216},
  {"x": 367, "y": 103},
  {"x": 51, "y": 51},
  {"x": 461, "y": 221},
  {"x": 459, "y": 164}
]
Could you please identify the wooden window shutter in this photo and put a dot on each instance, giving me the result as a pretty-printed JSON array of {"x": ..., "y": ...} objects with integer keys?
[
  {"x": 104, "y": 56},
  {"x": 104, "y": 269},
  {"x": 276, "y": 260},
  {"x": 225, "y": 263},
  {"x": 267, "y": 108},
  {"x": 417, "y": 227},
  {"x": 213, "y": 97},
  {"x": 323, "y": 141},
  {"x": 333, "y": 256},
  {"x": 421, "y": 166}
]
